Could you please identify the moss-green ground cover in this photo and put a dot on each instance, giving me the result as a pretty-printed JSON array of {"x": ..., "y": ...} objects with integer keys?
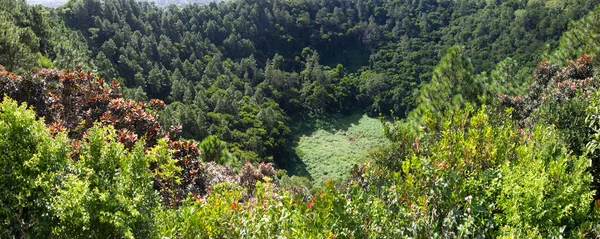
[{"x": 331, "y": 151}]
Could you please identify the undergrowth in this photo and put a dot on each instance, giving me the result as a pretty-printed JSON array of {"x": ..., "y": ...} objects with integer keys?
[{"x": 332, "y": 149}]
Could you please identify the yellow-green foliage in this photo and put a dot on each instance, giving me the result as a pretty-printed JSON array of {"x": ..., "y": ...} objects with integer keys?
[
  {"x": 474, "y": 176},
  {"x": 545, "y": 190},
  {"x": 30, "y": 162},
  {"x": 105, "y": 192},
  {"x": 227, "y": 213},
  {"x": 112, "y": 188}
]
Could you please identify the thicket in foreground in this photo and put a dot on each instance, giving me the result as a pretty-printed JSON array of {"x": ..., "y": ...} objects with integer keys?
[{"x": 475, "y": 177}]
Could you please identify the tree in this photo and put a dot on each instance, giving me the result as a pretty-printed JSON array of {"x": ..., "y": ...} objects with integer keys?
[
  {"x": 316, "y": 85},
  {"x": 190, "y": 118},
  {"x": 109, "y": 48},
  {"x": 16, "y": 46},
  {"x": 374, "y": 88},
  {"x": 451, "y": 86},
  {"x": 581, "y": 38},
  {"x": 155, "y": 82},
  {"x": 178, "y": 86},
  {"x": 214, "y": 150},
  {"x": 106, "y": 69}
]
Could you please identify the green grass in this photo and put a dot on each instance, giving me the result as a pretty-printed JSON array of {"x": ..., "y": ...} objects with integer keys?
[{"x": 340, "y": 143}]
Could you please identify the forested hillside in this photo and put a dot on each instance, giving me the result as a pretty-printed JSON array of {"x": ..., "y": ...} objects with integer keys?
[
  {"x": 124, "y": 119},
  {"x": 242, "y": 70}
]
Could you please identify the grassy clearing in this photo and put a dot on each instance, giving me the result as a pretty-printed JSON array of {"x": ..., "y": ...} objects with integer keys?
[{"x": 331, "y": 151}]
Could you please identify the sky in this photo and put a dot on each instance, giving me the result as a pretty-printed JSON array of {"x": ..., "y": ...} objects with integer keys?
[
  {"x": 47, "y": 3},
  {"x": 160, "y": 3}
]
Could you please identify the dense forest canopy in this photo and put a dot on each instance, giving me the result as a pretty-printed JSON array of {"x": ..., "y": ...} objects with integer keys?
[
  {"x": 242, "y": 70},
  {"x": 124, "y": 118}
]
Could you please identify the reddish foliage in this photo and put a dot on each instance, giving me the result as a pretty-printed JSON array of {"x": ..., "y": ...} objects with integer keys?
[
  {"x": 310, "y": 203},
  {"x": 71, "y": 101},
  {"x": 553, "y": 83},
  {"x": 250, "y": 175},
  {"x": 74, "y": 100}
]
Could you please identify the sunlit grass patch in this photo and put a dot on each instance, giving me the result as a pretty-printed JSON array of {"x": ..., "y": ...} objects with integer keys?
[{"x": 330, "y": 153}]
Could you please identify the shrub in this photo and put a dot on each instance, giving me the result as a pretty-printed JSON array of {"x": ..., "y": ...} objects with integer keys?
[
  {"x": 468, "y": 179},
  {"x": 31, "y": 162},
  {"x": 108, "y": 191}
]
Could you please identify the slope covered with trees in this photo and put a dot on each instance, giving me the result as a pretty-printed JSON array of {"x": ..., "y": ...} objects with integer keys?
[
  {"x": 154, "y": 123},
  {"x": 32, "y": 38},
  {"x": 221, "y": 64}
]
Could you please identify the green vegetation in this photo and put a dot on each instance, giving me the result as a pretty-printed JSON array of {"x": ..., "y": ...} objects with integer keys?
[
  {"x": 254, "y": 119},
  {"x": 330, "y": 153},
  {"x": 243, "y": 71},
  {"x": 31, "y": 39}
]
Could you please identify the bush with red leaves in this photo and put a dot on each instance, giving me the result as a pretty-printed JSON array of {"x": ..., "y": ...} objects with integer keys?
[
  {"x": 559, "y": 96},
  {"x": 553, "y": 83},
  {"x": 198, "y": 178},
  {"x": 73, "y": 100},
  {"x": 249, "y": 175}
]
